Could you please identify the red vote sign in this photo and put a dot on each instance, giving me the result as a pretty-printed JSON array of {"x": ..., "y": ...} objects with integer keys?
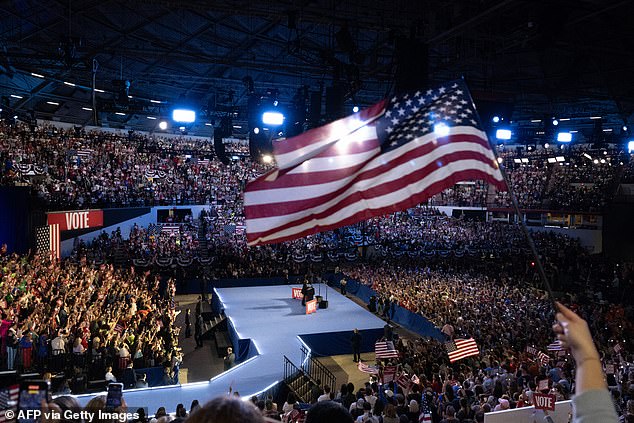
[
  {"x": 80, "y": 219},
  {"x": 544, "y": 401},
  {"x": 296, "y": 293},
  {"x": 311, "y": 306}
]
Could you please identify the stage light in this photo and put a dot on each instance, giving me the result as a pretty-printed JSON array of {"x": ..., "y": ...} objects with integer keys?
[
  {"x": 256, "y": 130},
  {"x": 162, "y": 125},
  {"x": 208, "y": 124},
  {"x": 355, "y": 109},
  {"x": 272, "y": 118},
  {"x": 119, "y": 113},
  {"x": 52, "y": 103},
  {"x": 555, "y": 122},
  {"x": 441, "y": 129},
  {"x": 503, "y": 134},
  {"x": 155, "y": 101},
  {"x": 630, "y": 146},
  {"x": 99, "y": 91},
  {"x": 275, "y": 103},
  {"x": 564, "y": 137},
  {"x": 546, "y": 145},
  {"x": 496, "y": 119},
  {"x": 37, "y": 75},
  {"x": 267, "y": 158},
  {"x": 624, "y": 128},
  {"x": 88, "y": 109},
  {"x": 151, "y": 117},
  {"x": 70, "y": 84},
  {"x": 16, "y": 96},
  {"x": 183, "y": 115}
]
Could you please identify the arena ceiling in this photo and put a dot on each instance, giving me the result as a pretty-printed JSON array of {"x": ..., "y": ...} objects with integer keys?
[{"x": 539, "y": 58}]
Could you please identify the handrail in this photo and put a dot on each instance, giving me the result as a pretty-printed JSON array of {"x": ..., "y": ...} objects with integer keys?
[
  {"x": 316, "y": 370},
  {"x": 295, "y": 378}
]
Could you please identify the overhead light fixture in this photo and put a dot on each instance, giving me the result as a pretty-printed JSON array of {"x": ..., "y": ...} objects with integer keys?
[
  {"x": 564, "y": 137},
  {"x": 155, "y": 101},
  {"x": 119, "y": 113},
  {"x": 355, "y": 109},
  {"x": 552, "y": 160},
  {"x": 99, "y": 91},
  {"x": 52, "y": 103},
  {"x": 37, "y": 75},
  {"x": 183, "y": 115},
  {"x": 16, "y": 96},
  {"x": 607, "y": 130},
  {"x": 495, "y": 119},
  {"x": 272, "y": 118},
  {"x": 208, "y": 124},
  {"x": 256, "y": 130},
  {"x": 595, "y": 117},
  {"x": 587, "y": 156},
  {"x": 536, "y": 120},
  {"x": 151, "y": 117},
  {"x": 555, "y": 122},
  {"x": 630, "y": 146},
  {"x": 503, "y": 134},
  {"x": 563, "y": 119},
  {"x": 88, "y": 109},
  {"x": 573, "y": 132},
  {"x": 546, "y": 145},
  {"x": 560, "y": 158},
  {"x": 70, "y": 84},
  {"x": 163, "y": 125},
  {"x": 237, "y": 126}
]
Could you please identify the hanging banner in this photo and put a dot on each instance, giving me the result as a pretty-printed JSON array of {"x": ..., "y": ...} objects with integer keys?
[{"x": 73, "y": 220}]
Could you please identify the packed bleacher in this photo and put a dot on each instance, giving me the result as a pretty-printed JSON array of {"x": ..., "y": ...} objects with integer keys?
[{"x": 69, "y": 168}]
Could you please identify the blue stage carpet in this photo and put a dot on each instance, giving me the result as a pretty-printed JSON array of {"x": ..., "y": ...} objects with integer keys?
[{"x": 273, "y": 321}]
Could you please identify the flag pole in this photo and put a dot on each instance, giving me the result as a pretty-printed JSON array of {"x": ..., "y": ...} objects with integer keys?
[{"x": 516, "y": 207}]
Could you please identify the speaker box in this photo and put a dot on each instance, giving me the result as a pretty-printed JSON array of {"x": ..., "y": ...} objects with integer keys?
[
  {"x": 319, "y": 298},
  {"x": 323, "y": 304}
]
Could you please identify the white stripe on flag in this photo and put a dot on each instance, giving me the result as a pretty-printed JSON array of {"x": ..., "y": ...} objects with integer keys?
[{"x": 54, "y": 241}]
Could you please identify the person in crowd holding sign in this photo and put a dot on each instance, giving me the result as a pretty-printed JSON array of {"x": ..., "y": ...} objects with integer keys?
[{"x": 592, "y": 401}]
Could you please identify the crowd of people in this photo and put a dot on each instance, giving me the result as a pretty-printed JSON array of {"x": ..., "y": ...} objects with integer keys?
[
  {"x": 71, "y": 168},
  {"x": 84, "y": 322}
]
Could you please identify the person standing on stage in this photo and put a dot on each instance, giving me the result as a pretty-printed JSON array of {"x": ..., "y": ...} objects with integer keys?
[
  {"x": 229, "y": 359},
  {"x": 198, "y": 331},
  {"x": 188, "y": 323},
  {"x": 343, "y": 284},
  {"x": 356, "y": 346}
]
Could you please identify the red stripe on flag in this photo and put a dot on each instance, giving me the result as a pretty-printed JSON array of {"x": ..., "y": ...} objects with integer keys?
[
  {"x": 54, "y": 241},
  {"x": 464, "y": 348},
  {"x": 366, "y": 214}
]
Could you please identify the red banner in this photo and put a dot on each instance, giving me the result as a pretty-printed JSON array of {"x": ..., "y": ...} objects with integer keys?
[
  {"x": 311, "y": 306},
  {"x": 544, "y": 401},
  {"x": 296, "y": 293},
  {"x": 73, "y": 220}
]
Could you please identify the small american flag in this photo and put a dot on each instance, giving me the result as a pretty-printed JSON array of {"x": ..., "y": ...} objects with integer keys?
[
  {"x": 385, "y": 349},
  {"x": 8, "y": 401},
  {"x": 461, "y": 348},
  {"x": 555, "y": 346},
  {"x": 618, "y": 348},
  {"x": 203, "y": 162},
  {"x": 373, "y": 370},
  {"x": 425, "y": 411},
  {"x": 543, "y": 358}
]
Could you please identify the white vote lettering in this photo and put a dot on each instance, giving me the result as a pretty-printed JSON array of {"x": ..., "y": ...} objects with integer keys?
[{"x": 76, "y": 220}]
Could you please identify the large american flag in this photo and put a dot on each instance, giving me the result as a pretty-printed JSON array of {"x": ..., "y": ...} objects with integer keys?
[
  {"x": 389, "y": 157},
  {"x": 461, "y": 348},
  {"x": 8, "y": 401},
  {"x": 385, "y": 349},
  {"x": 425, "y": 411},
  {"x": 47, "y": 241}
]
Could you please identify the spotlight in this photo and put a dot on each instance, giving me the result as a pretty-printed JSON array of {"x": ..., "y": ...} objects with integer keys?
[
  {"x": 564, "y": 137},
  {"x": 355, "y": 109},
  {"x": 183, "y": 115},
  {"x": 503, "y": 134},
  {"x": 162, "y": 125},
  {"x": 496, "y": 119},
  {"x": 267, "y": 158},
  {"x": 625, "y": 128},
  {"x": 630, "y": 146},
  {"x": 441, "y": 129},
  {"x": 546, "y": 145},
  {"x": 555, "y": 122},
  {"x": 256, "y": 130},
  {"x": 272, "y": 118}
]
